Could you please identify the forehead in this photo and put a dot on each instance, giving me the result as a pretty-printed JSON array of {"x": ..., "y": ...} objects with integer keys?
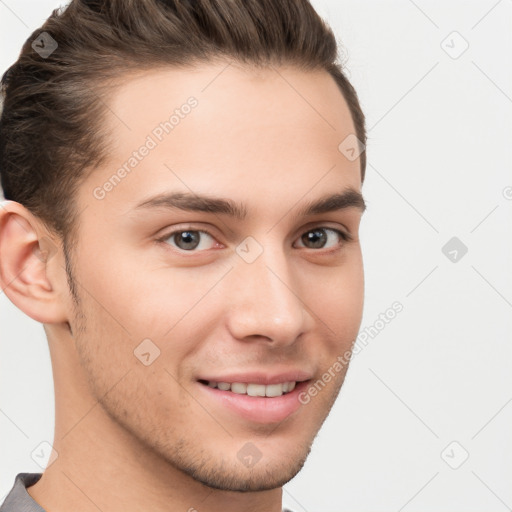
[{"x": 240, "y": 131}]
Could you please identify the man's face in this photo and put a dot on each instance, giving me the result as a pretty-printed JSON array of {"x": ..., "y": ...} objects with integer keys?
[{"x": 269, "y": 298}]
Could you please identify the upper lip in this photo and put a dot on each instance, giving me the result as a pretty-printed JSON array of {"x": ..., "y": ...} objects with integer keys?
[{"x": 258, "y": 377}]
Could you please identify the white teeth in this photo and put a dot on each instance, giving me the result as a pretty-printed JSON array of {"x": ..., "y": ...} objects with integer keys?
[
  {"x": 256, "y": 389},
  {"x": 241, "y": 388},
  {"x": 274, "y": 390}
]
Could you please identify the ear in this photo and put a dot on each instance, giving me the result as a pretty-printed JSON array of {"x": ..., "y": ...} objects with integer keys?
[{"x": 27, "y": 250}]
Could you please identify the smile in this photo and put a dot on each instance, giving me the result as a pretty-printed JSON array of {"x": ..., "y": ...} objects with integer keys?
[
  {"x": 258, "y": 402},
  {"x": 253, "y": 389}
]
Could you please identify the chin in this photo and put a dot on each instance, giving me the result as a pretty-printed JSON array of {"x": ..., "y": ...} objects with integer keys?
[
  {"x": 241, "y": 479},
  {"x": 263, "y": 476}
]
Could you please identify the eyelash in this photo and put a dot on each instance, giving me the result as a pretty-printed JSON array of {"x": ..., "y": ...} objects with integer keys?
[{"x": 346, "y": 237}]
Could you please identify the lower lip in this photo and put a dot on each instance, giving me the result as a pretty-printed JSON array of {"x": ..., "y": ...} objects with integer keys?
[{"x": 258, "y": 409}]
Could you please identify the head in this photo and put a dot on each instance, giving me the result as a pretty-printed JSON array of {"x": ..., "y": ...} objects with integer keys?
[{"x": 182, "y": 212}]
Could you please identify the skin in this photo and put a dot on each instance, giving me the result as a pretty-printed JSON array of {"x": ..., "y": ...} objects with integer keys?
[{"x": 148, "y": 431}]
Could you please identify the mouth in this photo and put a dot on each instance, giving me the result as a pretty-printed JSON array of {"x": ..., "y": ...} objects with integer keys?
[
  {"x": 252, "y": 388},
  {"x": 261, "y": 402}
]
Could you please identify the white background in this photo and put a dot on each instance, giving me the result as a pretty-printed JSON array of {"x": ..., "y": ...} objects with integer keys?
[{"x": 439, "y": 164}]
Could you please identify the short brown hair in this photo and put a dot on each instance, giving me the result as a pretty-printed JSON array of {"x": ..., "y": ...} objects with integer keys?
[{"x": 53, "y": 108}]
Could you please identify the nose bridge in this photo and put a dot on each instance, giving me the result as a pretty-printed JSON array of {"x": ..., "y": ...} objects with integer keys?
[{"x": 264, "y": 299}]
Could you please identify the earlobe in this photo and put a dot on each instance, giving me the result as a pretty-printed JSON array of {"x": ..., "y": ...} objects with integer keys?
[{"x": 26, "y": 250}]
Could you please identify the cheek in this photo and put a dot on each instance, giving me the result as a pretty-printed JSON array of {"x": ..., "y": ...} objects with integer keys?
[
  {"x": 352, "y": 296},
  {"x": 132, "y": 374},
  {"x": 336, "y": 299},
  {"x": 163, "y": 311},
  {"x": 146, "y": 296}
]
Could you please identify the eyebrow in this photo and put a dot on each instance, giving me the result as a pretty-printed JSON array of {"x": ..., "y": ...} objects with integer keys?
[{"x": 349, "y": 198}]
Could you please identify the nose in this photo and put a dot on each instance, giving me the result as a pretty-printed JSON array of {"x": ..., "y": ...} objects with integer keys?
[{"x": 265, "y": 300}]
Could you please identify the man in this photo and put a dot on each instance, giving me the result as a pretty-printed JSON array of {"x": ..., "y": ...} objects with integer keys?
[{"x": 183, "y": 198}]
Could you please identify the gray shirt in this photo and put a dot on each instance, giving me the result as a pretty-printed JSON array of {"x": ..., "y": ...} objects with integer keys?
[{"x": 19, "y": 500}]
